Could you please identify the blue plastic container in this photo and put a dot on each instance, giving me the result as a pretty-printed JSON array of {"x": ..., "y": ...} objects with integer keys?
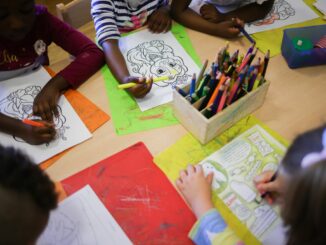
[{"x": 296, "y": 58}]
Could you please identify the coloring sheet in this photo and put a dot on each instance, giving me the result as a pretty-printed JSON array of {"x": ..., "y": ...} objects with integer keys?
[
  {"x": 234, "y": 167},
  {"x": 82, "y": 219},
  {"x": 16, "y": 100},
  {"x": 283, "y": 13},
  {"x": 157, "y": 55}
]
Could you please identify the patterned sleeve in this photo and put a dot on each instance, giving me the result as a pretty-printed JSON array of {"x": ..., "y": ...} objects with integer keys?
[
  {"x": 212, "y": 229},
  {"x": 105, "y": 21}
]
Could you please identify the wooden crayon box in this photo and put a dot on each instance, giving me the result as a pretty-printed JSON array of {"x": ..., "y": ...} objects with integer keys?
[{"x": 206, "y": 129}]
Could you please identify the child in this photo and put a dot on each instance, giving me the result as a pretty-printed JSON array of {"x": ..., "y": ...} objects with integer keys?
[
  {"x": 26, "y": 30},
  {"x": 300, "y": 187},
  {"x": 26, "y": 198},
  {"x": 111, "y": 17},
  {"x": 214, "y": 22}
]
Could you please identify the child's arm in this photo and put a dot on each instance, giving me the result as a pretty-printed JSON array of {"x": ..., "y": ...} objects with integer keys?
[
  {"x": 30, "y": 134},
  {"x": 118, "y": 67},
  {"x": 88, "y": 59},
  {"x": 250, "y": 12},
  {"x": 181, "y": 12}
]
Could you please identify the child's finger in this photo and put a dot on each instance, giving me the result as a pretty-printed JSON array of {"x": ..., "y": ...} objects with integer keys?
[
  {"x": 168, "y": 26},
  {"x": 264, "y": 177},
  {"x": 183, "y": 174},
  {"x": 268, "y": 187},
  {"x": 47, "y": 110},
  {"x": 210, "y": 178},
  {"x": 179, "y": 183},
  {"x": 190, "y": 169},
  {"x": 198, "y": 168},
  {"x": 54, "y": 108},
  {"x": 161, "y": 27}
]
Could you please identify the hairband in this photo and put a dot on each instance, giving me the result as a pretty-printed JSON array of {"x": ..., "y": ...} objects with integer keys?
[{"x": 314, "y": 157}]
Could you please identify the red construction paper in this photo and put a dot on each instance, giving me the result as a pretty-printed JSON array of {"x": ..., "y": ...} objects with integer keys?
[{"x": 139, "y": 196}]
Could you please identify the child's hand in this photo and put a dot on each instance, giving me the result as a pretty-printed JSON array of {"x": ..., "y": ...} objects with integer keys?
[
  {"x": 38, "y": 135},
  {"x": 229, "y": 28},
  {"x": 142, "y": 87},
  {"x": 275, "y": 188},
  {"x": 45, "y": 103},
  {"x": 160, "y": 21},
  {"x": 196, "y": 189}
]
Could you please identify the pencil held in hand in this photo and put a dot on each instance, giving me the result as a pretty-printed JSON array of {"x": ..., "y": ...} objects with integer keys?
[{"x": 155, "y": 80}]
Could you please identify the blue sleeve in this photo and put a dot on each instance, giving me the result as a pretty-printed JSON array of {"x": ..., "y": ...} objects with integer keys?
[{"x": 207, "y": 227}]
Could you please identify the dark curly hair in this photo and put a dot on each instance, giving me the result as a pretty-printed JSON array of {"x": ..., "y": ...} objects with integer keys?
[{"x": 19, "y": 174}]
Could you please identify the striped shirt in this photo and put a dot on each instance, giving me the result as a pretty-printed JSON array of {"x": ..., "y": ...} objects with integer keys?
[{"x": 112, "y": 17}]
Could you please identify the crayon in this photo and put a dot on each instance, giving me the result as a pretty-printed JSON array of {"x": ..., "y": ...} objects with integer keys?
[{"x": 33, "y": 123}]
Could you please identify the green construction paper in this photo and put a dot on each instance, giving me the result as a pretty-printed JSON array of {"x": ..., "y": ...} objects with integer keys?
[
  {"x": 272, "y": 39},
  {"x": 126, "y": 115}
]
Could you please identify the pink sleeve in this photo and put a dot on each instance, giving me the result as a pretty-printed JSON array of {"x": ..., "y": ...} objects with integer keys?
[{"x": 88, "y": 57}]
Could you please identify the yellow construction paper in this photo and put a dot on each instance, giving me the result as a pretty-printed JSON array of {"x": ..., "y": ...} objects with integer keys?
[
  {"x": 190, "y": 151},
  {"x": 272, "y": 39}
]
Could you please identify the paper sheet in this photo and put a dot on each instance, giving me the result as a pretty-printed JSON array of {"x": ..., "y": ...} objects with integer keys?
[
  {"x": 139, "y": 197},
  {"x": 157, "y": 55},
  {"x": 82, "y": 219},
  {"x": 283, "y": 13},
  {"x": 126, "y": 115},
  {"x": 234, "y": 167},
  {"x": 321, "y": 6},
  {"x": 189, "y": 150},
  {"x": 16, "y": 100},
  {"x": 89, "y": 113}
]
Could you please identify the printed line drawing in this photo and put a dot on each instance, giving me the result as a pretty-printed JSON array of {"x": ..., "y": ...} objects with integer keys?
[
  {"x": 243, "y": 190},
  {"x": 156, "y": 58},
  {"x": 281, "y": 10},
  {"x": 220, "y": 176},
  {"x": 19, "y": 104},
  {"x": 63, "y": 230}
]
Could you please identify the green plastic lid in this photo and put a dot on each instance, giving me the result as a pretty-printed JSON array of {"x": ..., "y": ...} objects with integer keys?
[{"x": 302, "y": 44}]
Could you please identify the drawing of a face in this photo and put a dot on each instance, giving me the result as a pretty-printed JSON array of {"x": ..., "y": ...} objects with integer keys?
[
  {"x": 155, "y": 58},
  {"x": 19, "y": 105},
  {"x": 281, "y": 10}
]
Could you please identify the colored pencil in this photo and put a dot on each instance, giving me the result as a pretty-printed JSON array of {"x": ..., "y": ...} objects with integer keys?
[
  {"x": 201, "y": 73},
  {"x": 266, "y": 60},
  {"x": 33, "y": 123},
  {"x": 155, "y": 80}
]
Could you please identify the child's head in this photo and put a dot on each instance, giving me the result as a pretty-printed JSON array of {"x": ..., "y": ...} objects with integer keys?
[
  {"x": 27, "y": 196},
  {"x": 16, "y": 18},
  {"x": 303, "y": 210}
]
